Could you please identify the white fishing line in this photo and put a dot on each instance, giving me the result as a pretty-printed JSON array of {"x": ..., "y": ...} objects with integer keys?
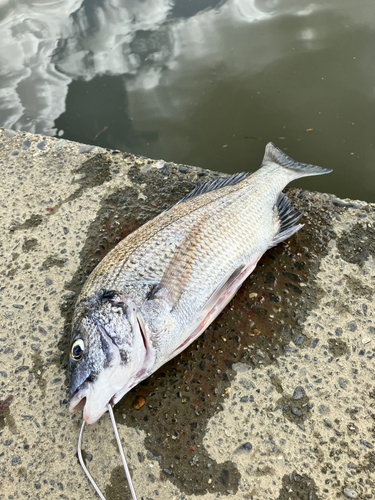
[
  {"x": 84, "y": 466},
  {"x": 126, "y": 468},
  {"x": 128, "y": 477}
]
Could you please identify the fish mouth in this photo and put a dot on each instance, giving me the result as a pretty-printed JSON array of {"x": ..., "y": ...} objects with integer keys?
[
  {"x": 77, "y": 399},
  {"x": 79, "y": 406},
  {"x": 92, "y": 395},
  {"x": 79, "y": 396}
]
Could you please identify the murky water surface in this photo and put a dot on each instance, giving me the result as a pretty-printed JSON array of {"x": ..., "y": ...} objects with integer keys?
[{"x": 201, "y": 82}]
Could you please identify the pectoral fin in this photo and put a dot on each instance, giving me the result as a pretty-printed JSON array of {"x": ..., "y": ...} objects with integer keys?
[{"x": 222, "y": 289}]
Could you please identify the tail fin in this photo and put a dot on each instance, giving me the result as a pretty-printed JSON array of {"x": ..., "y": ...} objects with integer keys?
[{"x": 273, "y": 154}]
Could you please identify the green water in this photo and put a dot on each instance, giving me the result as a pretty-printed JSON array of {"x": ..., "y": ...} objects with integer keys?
[{"x": 205, "y": 83}]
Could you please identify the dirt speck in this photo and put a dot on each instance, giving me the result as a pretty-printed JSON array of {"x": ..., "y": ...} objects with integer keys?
[
  {"x": 34, "y": 221},
  {"x": 29, "y": 245},
  {"x": 337, "y": 347},
  {"x": 6, "y": 417},
  {"x": 52, "y": 261}
]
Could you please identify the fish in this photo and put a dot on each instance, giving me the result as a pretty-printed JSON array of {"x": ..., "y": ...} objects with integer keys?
[{"x": 155, "y": 292}]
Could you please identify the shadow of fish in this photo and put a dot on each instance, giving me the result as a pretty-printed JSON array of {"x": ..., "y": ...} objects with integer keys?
[{"x": 160, "y": 287}]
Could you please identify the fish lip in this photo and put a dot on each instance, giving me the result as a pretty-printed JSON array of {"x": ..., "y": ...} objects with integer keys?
[
  {"x": 78, "y": 395},
  {"x": 78, "y": 390},
  {"x": 80, "y": 387}
]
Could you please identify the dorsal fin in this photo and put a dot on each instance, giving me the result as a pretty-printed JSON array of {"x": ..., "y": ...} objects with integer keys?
[
  {"x": 214, "y": 184},
  {"x": 288, "y": 217}
]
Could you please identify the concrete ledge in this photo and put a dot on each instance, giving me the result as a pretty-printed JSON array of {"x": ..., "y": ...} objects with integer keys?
[{"x": 275, "y": 400}]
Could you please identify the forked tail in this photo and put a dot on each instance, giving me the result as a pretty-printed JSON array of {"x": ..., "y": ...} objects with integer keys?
[{"x": 274, "y": 155}]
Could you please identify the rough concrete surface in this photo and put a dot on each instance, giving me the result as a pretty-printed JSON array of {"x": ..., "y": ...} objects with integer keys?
[{"x": 276, "y": 400}]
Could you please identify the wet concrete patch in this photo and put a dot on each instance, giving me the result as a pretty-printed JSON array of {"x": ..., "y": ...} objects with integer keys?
[
  {"x": 276, "y": 382},
  {"x": 337, "y": 347},
  {"x": 118, "y": 487},
  {"x": 296, "y": 411},
  {"x": 358, "y": 288},
  {"x": 174, "y": 419},
  {"x": 93, "y": 172},
  {"x": 38, "y": 369},
  {"x": 297, "y": 486},
  {"x": 34, "y": 221},
  {"x": 357, "y": 245},
  {"x": 368, "y": 463},
  {"x": 52, "y": 261}
]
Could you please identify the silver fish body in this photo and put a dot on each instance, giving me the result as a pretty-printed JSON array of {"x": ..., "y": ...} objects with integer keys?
[{"x": 160, "y": 287}]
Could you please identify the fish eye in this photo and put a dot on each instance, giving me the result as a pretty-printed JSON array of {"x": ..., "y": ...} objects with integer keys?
[{"x": 76, "y": 351}]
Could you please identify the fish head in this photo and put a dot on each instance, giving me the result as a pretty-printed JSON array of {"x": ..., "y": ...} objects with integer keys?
[{"x": 107, "y": 351}]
